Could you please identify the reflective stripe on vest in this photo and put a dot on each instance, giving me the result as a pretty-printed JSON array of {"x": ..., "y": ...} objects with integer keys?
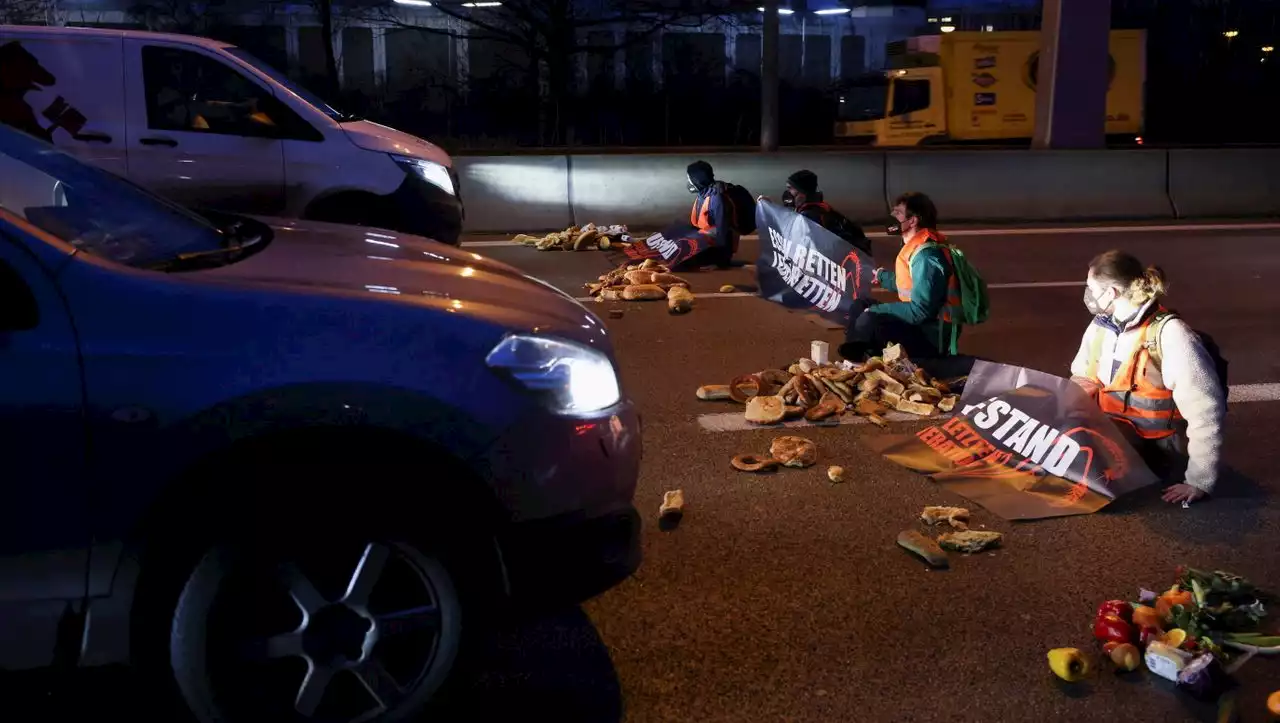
[
  {"x": 902, "y": 271},
  {"x": 1132, "y": 396}
]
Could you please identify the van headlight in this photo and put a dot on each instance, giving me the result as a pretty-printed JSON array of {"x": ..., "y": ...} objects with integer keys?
[
  {"x": 573, "y": 379},
  {"x": 433, "y": 173}
]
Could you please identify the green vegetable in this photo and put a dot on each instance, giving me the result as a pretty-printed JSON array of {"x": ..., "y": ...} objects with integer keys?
[
  {"x": 1197, "y": 592},
  {"x": 1269, "y": 641}
]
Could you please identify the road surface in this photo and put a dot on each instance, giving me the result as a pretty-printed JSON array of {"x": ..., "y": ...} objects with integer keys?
[{"x": 784, "y": 598}]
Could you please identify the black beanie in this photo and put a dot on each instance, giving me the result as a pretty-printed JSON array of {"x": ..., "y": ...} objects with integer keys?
[
  {"x": 805, "y": 182},
  {"x": 700, "y": 174}
]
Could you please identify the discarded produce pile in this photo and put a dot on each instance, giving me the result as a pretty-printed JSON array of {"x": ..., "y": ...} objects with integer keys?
[
  {"x": 1186, "y": 634},
  {"x": 817, "y": 390},
  {"x": 959, "y": 539},
  {"x": 647, "y": 281},
  {"x": 578, "y": 239}
]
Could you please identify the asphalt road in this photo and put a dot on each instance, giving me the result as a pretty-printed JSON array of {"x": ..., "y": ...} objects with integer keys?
[{"x": 784, "y": 598}]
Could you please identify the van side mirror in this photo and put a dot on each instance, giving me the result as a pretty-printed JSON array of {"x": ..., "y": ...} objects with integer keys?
[{"x": 18, "y": 308}]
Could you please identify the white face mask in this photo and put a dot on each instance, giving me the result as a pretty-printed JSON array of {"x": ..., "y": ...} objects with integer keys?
[{"x": 1095, "y": 302}]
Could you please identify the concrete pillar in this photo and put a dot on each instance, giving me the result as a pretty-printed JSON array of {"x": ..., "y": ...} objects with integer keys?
[
  {"x": 769, "y": 78},
  {"x": 619, "y": 60},
  {"x": 1071, "y": 92},
  {"x": 291, "y": 48},
  {"x": 379, "y": 56}
]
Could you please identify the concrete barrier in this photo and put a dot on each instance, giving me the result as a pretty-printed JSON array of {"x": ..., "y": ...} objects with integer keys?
[
  {"x": 513, "y": 194},
  {"x": 649, "y": 191},
  {"x": 533, "y": 193},
  {"x": 1034, "y": 186},
  {"x": 1225, "y": 182}
]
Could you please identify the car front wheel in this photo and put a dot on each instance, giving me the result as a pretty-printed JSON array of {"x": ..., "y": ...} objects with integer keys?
[{"x": 342, "y": 631}]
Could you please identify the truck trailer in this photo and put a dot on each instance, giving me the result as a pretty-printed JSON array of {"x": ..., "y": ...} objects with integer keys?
[{"x": 974, "y": 88}]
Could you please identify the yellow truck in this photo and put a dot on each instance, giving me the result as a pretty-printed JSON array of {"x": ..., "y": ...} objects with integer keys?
[{"x": 966, "y": 87}]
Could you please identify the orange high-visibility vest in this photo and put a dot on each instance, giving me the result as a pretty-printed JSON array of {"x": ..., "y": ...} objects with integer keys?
[
  {"x": 1132, "y": 396},
  {"x": 700, "y": 216},
  {"x": 902, "y": 270}
]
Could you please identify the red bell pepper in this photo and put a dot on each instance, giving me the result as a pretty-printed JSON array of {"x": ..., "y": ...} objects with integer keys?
[
  {"x": 1119, "y": 608},
  {"x": 1109, "y": 628}
]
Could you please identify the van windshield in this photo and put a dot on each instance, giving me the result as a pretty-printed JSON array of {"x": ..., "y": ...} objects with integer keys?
[
  {"x": 96, "y": 211},
  {"x": 284, "y": 80}
]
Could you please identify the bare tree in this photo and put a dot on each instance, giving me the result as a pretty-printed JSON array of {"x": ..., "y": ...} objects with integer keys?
[
  {"x": 32, "y": 12},
  {"x": 553, "y": 34}
]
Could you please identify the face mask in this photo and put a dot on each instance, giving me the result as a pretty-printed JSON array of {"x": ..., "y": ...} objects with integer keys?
[
  {"x": 1091, "y": 303},
  {"x": 789, "y": 198},
  {"x": 894, "y": 228},
  {"x": 692, "y": 188}
]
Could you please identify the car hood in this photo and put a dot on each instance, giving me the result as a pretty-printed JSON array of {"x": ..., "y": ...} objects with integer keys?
[
  {"x": 401, "y": 268},
  {"x": 376, "y": 137}
]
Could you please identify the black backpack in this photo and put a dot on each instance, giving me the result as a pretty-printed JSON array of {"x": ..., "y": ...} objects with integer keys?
[
  {"x": 741, "y": 208},
  {"x": 1220, "y": 362}
]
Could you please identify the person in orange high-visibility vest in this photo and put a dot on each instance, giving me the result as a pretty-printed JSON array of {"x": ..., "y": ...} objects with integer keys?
[
  {"x": 928, "y": 291},
  {"x": 802, "y": 196},
  {"x": 1170, "y": 405},
  {"x": 710, "y": 215}
]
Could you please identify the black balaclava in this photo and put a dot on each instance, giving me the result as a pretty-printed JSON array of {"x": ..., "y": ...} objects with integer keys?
[
  {"x": 804, "y": 182},
  {"x": 700, "y": 176}
]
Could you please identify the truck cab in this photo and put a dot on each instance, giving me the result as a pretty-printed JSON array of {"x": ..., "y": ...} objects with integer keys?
[{"x": 900, "y": 107}]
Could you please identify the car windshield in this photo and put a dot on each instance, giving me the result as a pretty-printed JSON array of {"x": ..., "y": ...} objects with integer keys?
[
  {"x": 286, "y": 81},
  {"x": 95, "y": 211}
]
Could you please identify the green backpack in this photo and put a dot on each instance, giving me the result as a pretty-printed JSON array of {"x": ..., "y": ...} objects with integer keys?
[{"x": 975, "y": 305}]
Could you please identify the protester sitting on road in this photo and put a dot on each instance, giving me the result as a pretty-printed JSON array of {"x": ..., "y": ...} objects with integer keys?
[
  {"x": 710, "y": 215},
  {"x": 803, "y": 196},
  {"x": 921, "y": 319},
  {"x": 1151, "y": 374}
]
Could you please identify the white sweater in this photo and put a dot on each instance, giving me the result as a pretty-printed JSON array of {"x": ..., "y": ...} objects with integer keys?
[{"x": 1187, "y": 371}]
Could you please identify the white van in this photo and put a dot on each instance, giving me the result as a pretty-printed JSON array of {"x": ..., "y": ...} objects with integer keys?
[{"x": 208, "y": 125}]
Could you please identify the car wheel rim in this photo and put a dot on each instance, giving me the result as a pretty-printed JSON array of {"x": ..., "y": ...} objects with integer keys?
[{"x": 379, "y": 644}]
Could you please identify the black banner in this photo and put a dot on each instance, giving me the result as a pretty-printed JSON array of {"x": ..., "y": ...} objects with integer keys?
[
  {"x": 804, "y": 266},
  {"x": 676, "y": 245},
  {"x": 1025, "y": 445}
]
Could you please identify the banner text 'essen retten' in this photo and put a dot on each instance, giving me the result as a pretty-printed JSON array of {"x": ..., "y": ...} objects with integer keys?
[{"x": 816, "y": 278}]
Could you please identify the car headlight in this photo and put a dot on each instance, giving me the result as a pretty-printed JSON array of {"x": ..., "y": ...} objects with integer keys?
[
  {"x": 573, "y": 379},
  {"x": 433, "y": 173}
]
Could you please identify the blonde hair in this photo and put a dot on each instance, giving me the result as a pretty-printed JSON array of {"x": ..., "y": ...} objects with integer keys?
[{"x": 1124, "y": 271}]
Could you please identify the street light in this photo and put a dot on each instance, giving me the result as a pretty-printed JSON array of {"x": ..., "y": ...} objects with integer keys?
[
  {"x": 948, "y": 28},
  {"x": 1231, "y": 33},
  {"x": 415, "y": 3},
  {"x": 1267, "y": 48},
  {"x": 831, "y": 11},
  {"x": 781, "y": 11}
]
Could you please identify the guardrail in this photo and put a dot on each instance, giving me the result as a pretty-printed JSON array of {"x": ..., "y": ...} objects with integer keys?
[{"x": 531, "y": 193}]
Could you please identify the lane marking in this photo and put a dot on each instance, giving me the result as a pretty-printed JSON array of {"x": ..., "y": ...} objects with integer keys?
[
  {"x": 752, "y": 294},
  {"x": 737, "y": 421},
  {"x": 1165, "y": 228}
]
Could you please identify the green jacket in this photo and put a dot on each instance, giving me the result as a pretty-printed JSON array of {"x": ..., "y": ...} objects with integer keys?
[{"x": 929, "y": 275}]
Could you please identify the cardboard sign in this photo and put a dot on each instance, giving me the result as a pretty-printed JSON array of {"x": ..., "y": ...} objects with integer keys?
[
  {"x": 804, "y": 266},
  {"x": 1025, "y": 445}
]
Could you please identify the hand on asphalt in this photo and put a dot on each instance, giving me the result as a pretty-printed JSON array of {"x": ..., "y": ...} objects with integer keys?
[{"x": 1182, "y": 493}]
